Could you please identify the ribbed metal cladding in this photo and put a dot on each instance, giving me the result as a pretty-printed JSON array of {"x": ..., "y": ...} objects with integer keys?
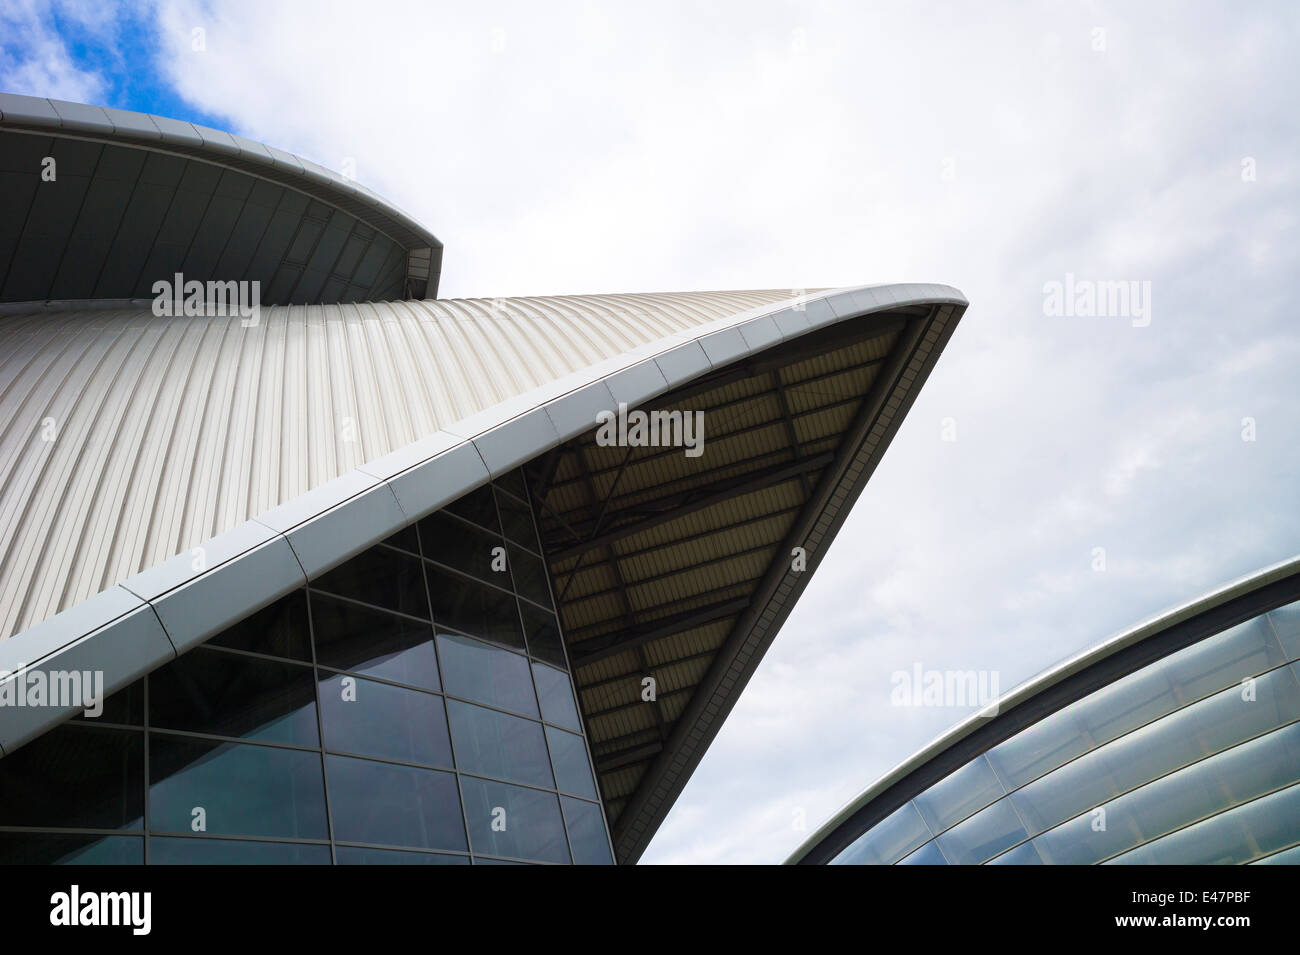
[{"x": 127, "y": 438}]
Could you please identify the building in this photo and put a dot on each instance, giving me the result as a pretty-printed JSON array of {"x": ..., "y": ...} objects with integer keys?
[
  {"x": 370, "y": 575},
  {"x": 1176, "y": 742}
]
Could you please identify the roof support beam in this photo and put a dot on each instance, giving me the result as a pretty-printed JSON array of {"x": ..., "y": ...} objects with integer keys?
[
  {"x": 665, "y": 509},
  {"x": 598, "y": 648}
]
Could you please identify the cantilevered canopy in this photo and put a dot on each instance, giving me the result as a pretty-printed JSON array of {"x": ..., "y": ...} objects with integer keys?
[
  {"x": 263, "y": 456},
  {"x": 102, "y": 203}
]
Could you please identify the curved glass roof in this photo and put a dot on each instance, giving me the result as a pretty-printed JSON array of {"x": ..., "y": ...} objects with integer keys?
[{"x": 1193, "y": 759}]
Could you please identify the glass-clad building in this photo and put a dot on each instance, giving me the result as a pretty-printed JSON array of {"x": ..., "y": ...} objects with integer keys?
[
  {"x": 413, "y": 705},
  {"x": 369, "y": 575},
  {"x": 1192, "y": 758}
]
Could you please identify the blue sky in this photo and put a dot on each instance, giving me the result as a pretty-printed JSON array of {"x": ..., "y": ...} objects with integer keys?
[{"x": 995, "y": 147}]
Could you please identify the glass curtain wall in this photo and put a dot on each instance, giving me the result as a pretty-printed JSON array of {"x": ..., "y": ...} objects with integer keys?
[{"x": 412, "y": 706}]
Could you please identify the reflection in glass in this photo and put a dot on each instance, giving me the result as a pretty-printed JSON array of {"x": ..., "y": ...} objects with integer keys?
[
  {"x": 179, "y": 850},
  {"x": 467, "y": 605},
  {"x": 511, "y": 821},
  {"x": 242, "y": 789},
  {"x": 376, "y": 719},
  {"x": 385, "y": 804},
  {"x": 497, "y": 744},
  {"x": 586, "y": 828},
  {"x": 486, "y": 674},
  {"x": 569, "y": 756},
  {"x": 75, "y": 776},
  {"x": 230, "y": 694},
  {"x": 556, "y": 697},
  {"x": 381, "y": 577},
  {"x": 355, "y": 638},
  {"x": 40, "y": 848}
]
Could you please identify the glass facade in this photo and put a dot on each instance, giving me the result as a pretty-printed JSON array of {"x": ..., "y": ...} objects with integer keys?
[
  {"x": 1193, "y": 759},
  {"x": 412, "y": 706}
]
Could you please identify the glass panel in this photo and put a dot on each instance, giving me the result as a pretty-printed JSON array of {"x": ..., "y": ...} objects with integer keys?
[
  {"x": 39, "y": 848},
  {"x": 381, "y": 577},
  {"x": 569, "y": 757},
  {"x": 451, "y": 541},
  {"x": 983, "y": 835},
  {"x": 530, "y": 576},
  {"x": 1193, "y": 672},
  {"x": 242, "y": 788},
  {"x": 1285, "y": 857},
  {"x": 375, "y": 719},
  {"x": 496, "y": 744},
  {"x": 1231, "y": 838},
  {"x": 375, "y": 643},
  {"x": 384, "y": 804},
  {"x": 962, "y": 793},
  {"x": 517, "y": 521},
  {"x": 406, "y": 539},
  {"x": 1023, "y": 854},
  {"x": 1232, "y": 777},
  {"x": 279, "y": 630},
  {"x": 354, "y": 855},
  {"x": 888, "y": 840},
  {"x": 543, "y": 634},
  {"x": 477, "y": 506},
  {"x": 486, "y": 674},
  {"x": 1161, "y": 747},
  {"x": 229, "y": 694},
  {"x": 513, "y": 482},
  {"x": 506, "y": 820},
  {"x": 1286, "y": 625},
  {"x": 556, "y": 697},
  {"x": 75, "y": 776},
  {"x": 124, "y": 706},
  {"x": 928, "y": 854},
  {"x": 467, "y": 605},
  {"x": 178, "y": 850},
  {"x": 586, "y": 832}
]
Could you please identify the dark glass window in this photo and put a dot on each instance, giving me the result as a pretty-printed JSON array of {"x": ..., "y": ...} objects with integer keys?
[
  {"x": 76, "y": 776},
  {"x": 569, "y": 756},
  {"x": 496, "y": 744},
  {"x": 230, "y": 694},
  {"x": 505, "y": 820},
  {"x": 530, "y": 576},
  {"x": 40, "y": 848},
  {"x": 349, "y": 637},
  {"x": 356, "y": 855},
  {"x": 452, "y": 542},
  {"x": 382, "y": 577},
  {"x": 375, "y": 719},
  {"x": 587, "y": 836},
  {"x": 476, "y": 506},
  {"x": 405, "y": 539},
  {"x": 486, "y": 674},
  {"x": 178, "y": 850},
  {"x": 556, "y": 697},
  {"x": 517, "y": 521},
  {"x": 243, "y": 789},
  {"x": 383, "y": 804},
  {"x": 279, "y": 630},
  {"x": 543, "y": 634},
  {"x": 513, "y": 481},
  {"x": 469, "y": 606},
  {"x": 124, "y": 706}
]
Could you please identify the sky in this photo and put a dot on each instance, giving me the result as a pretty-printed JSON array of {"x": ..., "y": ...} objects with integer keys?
[{"x": 1060, "y": 476}]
